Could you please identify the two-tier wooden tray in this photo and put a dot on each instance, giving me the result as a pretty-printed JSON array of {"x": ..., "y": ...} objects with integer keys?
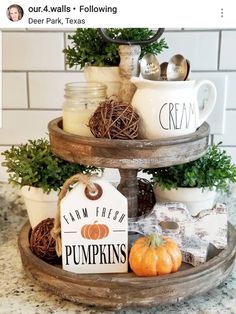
[{"x": 115, "y": 291}]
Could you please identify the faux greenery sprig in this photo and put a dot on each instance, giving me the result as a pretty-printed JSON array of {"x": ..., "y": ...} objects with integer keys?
[
  {"x": 35, "y": 165},
  {"x": 87, "y": 46},
  {"x": 213, "y": 170}
]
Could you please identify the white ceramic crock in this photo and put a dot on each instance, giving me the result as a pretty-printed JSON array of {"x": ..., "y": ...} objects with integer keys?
[{"x": 170, "y": 108}]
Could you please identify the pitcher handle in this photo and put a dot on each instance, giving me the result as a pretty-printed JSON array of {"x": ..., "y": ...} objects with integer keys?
[{"x": 209, "y": 105}]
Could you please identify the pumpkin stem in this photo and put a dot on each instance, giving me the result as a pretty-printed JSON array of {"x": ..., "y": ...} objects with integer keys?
[{"x": 154, "y": 240}]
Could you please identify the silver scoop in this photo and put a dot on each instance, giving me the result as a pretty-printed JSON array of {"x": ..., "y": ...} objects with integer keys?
[
  {"x": 164, "y": 71},
  {"x": 177, "y": 68},
  {"x": 149, "y": 67},
  {"x": 188, "y": 69}
]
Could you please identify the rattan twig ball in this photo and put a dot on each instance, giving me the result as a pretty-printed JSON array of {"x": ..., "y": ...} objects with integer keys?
[
  {"x": 114, "y": 120},
  {"x": 41, "y": 242}
]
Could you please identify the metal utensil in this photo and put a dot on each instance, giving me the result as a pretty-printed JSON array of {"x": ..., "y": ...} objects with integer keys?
[
  {"x": 188, "y": 69},
  {"x": 149, "y": 67},
  {"x": 177, "y": 68},
  {"x": 164, "y": 71}
]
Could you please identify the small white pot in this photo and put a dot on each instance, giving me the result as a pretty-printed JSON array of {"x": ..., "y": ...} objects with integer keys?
[
  {"x": 195, "y": 199},
  {"x": 106, "y": 75},
  {"x": 39, "y": 205}
]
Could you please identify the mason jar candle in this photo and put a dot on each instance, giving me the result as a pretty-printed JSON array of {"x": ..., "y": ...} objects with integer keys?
[{"x": 81, "y": 100}]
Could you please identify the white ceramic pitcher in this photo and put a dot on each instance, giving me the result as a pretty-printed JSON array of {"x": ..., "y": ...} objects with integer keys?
[{"x": 170, "y": 108}]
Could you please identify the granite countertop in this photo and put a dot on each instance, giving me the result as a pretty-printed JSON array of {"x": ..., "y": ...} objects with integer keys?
[{"x": 19, "y": 295}]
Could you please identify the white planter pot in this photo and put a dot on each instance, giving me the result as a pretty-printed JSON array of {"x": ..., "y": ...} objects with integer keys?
[
  {"x": 195, "y": 199},
  {"x": 39, "y": 205},
  {"x": 106, "y": 75}
]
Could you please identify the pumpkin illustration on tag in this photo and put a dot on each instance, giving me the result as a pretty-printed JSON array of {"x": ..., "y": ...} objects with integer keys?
[{"x": 94, "y": 231}]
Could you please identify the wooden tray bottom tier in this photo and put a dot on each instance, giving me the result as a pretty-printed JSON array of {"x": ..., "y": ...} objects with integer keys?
[{"x": 116, "y": 291}]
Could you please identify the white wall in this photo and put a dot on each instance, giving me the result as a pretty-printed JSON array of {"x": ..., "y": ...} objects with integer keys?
[{"x": 34, "y": 74}]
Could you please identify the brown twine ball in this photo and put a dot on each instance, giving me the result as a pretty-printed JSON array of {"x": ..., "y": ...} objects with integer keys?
[
  {"x": 146, "y": 196},
  {"x": 41, "y": 242},
  {"x": 114, "y": 120}
]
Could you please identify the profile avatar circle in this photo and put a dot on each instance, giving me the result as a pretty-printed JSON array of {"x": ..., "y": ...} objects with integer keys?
[{"x": 15, "y": 12}]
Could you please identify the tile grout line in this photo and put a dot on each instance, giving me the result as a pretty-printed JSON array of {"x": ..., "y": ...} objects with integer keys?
[
  {"x": 27, "y": 90},
  {"x": 219, "y": 51},
  {"x": 64, "y": 37}
]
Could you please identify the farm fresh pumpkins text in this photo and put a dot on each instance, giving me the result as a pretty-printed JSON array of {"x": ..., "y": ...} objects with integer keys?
[{"x": 94, "y": 232}]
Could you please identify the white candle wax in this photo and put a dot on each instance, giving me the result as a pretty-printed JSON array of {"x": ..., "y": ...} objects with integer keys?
[{"x": 76, "y": 121}]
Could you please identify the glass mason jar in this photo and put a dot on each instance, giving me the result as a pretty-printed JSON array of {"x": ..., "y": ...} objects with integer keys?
[{"x": 81, "y": 100}]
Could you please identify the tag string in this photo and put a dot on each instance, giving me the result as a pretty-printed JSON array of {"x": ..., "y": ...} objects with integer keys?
[{"x": 77, "y": 178}]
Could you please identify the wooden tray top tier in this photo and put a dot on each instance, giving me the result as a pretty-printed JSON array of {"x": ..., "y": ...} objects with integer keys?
[{"x": 127, "y": 154}]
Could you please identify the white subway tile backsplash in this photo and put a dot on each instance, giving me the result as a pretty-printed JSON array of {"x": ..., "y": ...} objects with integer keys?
[
  {"x": 14, "y": 90},
  {"x": 231, "y": 151},
  {"x": 220, "y": 80},
  {"x": 172, "y": 29},
  {"x": 21, "y": 125},
  {"x": 228, "y": 50},
  {"x": 200, "y": 48},
  {"x": 33, "y": 51},
  {"x": 15, "y": 29},
  {"x": 3, "y": 170},
  {"x": 46, "y": 90},
  {"x": 228, "y": 138},
  {"x": 231, "y": 93}
]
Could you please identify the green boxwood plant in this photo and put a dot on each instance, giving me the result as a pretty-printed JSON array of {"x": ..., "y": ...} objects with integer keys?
[
  {"x": 35, "y": 165},
  {"x": 213, "y": 170},
  {"x": 88, "y": 47}
]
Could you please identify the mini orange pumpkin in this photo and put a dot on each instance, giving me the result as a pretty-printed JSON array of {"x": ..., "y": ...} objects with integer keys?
[
  {"x": 94, "y": 231},
  {"x": 154, "y": 255}
]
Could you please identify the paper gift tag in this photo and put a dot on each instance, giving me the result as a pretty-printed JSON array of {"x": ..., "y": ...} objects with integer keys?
[{"x": 94, "y": 232}]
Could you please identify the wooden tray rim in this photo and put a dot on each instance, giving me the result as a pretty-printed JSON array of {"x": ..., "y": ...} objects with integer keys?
[
  {"x": 227, "y": 253},
  {"x": 54, "y": 128},
  {"x": 117, "y": 291}
]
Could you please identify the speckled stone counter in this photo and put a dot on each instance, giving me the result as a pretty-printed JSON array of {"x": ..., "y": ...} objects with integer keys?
[{"x": 19, "y": 295}]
